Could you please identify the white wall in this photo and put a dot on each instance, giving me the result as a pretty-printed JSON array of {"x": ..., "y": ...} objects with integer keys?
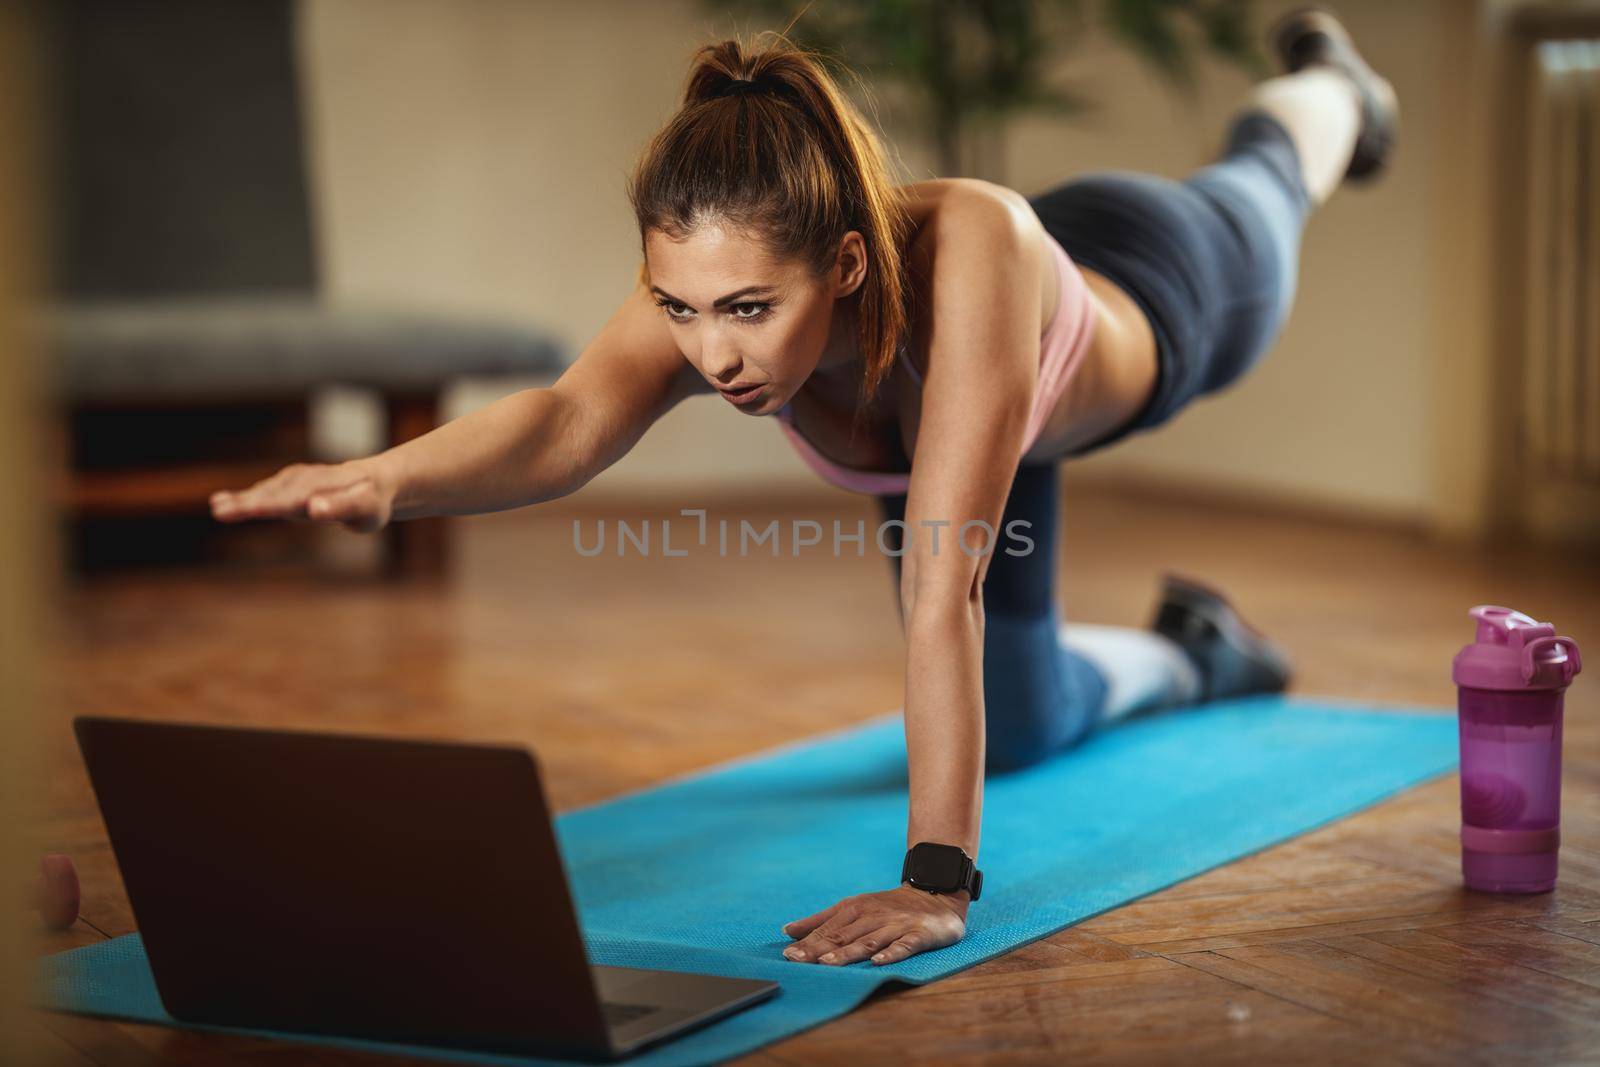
[
  {"x": 472, "y": 156},
  {"x": 1339, "y": 411}
]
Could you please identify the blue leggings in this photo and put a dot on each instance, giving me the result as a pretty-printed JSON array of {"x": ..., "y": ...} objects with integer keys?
[
  {"x": 1039, "y": 697},
  {"x": 1211, "y": 260}
]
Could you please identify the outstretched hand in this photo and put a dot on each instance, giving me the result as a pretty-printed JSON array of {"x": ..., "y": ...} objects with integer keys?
[
  {"x": 351, "y": 493},
  {"x": 886, "y": 927}
]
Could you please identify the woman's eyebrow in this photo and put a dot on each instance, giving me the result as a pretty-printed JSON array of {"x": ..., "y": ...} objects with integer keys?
[{"x": 722, "y": 301}]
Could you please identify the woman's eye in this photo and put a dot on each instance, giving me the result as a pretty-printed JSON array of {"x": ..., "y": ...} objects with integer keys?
[{"x": 751, "y": 312}]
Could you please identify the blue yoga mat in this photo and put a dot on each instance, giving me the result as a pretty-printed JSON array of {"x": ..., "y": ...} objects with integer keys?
[{"x": 700, "y": 874}]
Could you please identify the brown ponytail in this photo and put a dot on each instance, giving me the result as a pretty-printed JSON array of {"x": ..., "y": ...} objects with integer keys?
[{"x": 790, "y": 157}]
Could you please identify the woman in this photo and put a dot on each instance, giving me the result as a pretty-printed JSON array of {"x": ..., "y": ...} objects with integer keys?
[{"x": 941, "y": 345}]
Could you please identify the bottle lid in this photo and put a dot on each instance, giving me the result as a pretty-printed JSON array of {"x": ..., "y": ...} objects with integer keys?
[{"x": 1513, "y": 651}]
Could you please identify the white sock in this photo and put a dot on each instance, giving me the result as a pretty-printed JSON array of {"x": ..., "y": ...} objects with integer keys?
[{"x": 1142, "y": 669}]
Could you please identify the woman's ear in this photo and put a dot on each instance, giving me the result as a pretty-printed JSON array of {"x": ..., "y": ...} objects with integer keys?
[{"x": 850, "y": 265}]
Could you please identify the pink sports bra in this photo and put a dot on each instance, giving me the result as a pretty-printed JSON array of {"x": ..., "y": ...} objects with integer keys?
[{"x": 1061, "y": 351}]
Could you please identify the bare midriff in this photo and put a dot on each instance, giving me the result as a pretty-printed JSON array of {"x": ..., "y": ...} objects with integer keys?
[{"x": 1116, "y": 378}]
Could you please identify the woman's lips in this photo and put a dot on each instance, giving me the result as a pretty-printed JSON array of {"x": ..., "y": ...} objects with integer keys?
[{"x": 743, "y": 396}]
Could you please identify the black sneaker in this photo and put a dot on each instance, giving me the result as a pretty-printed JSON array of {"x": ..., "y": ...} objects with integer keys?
[
  {"x": 1232, "y": 657},
  {"x": 1314, "y": 36}
]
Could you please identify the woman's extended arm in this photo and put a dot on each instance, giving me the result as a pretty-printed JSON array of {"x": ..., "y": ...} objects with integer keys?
[{"x": 531, "y": 446}]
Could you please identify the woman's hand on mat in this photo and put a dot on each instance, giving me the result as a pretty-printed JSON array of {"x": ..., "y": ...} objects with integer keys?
[
  {"x": 354, "y": 494},
  {"x": 884, "y": 927}
]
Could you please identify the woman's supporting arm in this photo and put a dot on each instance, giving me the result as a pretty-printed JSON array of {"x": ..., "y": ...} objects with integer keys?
[
  {"x": 982, "y": 373},
  {"x": 976, "y": 397},
  {"x": 944, "y": 722}
]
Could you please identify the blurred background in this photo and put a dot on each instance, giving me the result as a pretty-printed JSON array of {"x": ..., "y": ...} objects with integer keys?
[
  {"x": 308, "y": 229},
  {"x": 254, "y": 232}
]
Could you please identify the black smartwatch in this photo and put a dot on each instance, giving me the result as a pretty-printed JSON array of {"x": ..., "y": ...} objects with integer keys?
[{"x": 939, "y": 868}]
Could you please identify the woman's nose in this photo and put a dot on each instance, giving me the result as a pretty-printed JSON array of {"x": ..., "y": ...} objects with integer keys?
[{"x": 719, "y": 361}]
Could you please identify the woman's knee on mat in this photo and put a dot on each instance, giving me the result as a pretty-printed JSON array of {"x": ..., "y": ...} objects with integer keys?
[{"x": 1039, "y": 697}]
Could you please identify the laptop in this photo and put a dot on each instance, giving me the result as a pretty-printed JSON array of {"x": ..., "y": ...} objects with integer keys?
[{"x": 389, "y": 889}]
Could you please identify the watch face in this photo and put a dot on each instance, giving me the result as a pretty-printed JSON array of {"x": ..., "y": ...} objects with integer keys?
[{"x": 937, "y": 867}]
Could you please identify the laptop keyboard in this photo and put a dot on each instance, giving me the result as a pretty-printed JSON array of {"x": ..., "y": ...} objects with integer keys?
[{"x": 618, "y": 1014}]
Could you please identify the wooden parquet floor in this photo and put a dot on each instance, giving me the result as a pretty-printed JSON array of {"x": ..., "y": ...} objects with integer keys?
[{"x": 1355, "y": 943}]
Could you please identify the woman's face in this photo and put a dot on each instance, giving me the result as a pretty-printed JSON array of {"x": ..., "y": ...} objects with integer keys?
[{"x": 755, "y": 327}]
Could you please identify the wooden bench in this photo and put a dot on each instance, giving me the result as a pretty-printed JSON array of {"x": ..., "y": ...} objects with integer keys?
[{"x": 166, "y": 402}]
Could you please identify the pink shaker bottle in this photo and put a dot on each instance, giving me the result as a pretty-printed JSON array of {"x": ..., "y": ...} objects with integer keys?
[{"x": 1511, "y": 681}]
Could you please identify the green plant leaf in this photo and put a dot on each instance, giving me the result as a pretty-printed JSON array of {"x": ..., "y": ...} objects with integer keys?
[{"x": 967, "y": 62}]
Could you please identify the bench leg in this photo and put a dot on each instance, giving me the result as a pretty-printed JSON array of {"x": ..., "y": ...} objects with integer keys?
[{"x": 416, "y": 548}]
